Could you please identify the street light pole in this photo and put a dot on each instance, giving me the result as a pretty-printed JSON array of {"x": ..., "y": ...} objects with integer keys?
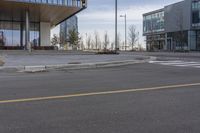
[
  {"x": 116, "y": 45},
  {"x": 125, "y": 29}
]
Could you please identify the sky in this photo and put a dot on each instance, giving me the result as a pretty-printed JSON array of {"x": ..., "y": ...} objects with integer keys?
[{"x": 99, "y": 16}]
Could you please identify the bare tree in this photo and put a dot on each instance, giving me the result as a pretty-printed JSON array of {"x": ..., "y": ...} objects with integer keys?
[
  {"x": 133, "y": 36},
  {"x": 92, "y": 44},
  {"x": 97, "y": 40},
  {"x": 81, "y": 43},
  {"x": 89, "y": 42},
  {"x": 106, "y": 40}
]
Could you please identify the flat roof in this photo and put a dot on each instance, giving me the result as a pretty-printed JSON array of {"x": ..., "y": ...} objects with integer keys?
[
  {"x": 162, "y": 9},
  {"x": 152, "y": 12},
  {"x": 40, "y": 12}
]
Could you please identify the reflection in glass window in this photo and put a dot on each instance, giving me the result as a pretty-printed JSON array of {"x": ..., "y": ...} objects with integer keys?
[
  {"x": 196, "y": 13},
  {"x": 34, "y": 34},
  {"x": 10, "y": 33},
  {"x": 153, "y": 22}
]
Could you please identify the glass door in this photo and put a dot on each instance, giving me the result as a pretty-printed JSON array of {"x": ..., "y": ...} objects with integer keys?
[{"x": 198, "y": 40}]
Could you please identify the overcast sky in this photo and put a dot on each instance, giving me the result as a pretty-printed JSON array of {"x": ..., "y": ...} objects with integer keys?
[{"x": 99, "y": 15}]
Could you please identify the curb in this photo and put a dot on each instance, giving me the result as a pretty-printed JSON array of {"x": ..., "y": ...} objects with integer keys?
[
  {"x": 33, "y": 69},
  {"x": 44, "y": 68},
  {"x": 92, "y": 65}
]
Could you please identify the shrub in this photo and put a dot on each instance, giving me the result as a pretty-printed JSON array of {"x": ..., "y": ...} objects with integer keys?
[{"x": 107, "y": 52}]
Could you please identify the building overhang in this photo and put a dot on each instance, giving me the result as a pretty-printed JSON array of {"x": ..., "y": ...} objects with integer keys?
[{"x": 54, "y": 14}]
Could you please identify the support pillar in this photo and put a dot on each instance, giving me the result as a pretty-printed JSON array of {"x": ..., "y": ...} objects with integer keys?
[{"x": 27, "y": 31}]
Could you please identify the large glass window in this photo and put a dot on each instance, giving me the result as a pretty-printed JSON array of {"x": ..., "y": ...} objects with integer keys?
[
  {"x": 34, "y": 34},
  {"x": 153, "y": 22},
  {"x": 66, "y": 26},
  {"x": 196, "y": 13},
  {"x": 10, "y": 33},
  {"x": 77, "y": 3}
]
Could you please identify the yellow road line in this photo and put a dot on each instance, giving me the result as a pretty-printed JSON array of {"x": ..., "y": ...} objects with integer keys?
[{"x": 98, "y": 93}]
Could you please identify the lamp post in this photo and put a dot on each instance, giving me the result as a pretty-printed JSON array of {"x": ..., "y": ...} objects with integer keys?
[
  {"x": 116, "y": 45},
  {"x": 124, "y": 16}
]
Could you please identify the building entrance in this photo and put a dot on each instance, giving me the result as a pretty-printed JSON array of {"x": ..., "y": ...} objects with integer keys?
[{"x": 198, "y": 40}]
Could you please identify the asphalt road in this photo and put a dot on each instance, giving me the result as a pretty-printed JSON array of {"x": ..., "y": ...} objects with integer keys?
[{"x": 174, "y": 109}]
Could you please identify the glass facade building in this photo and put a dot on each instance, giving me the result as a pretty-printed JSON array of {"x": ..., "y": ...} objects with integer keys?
[
  {"x": 66, "y": 26},
  {"x": 153, "y": 27},
  {"x": 28, "y": 22},
  {"x": 176, "y": 27}
]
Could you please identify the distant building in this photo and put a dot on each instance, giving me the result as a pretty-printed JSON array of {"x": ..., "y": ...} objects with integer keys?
[
  {"x": 66, "y": 26},
  {"x": 174, "y": 27}
]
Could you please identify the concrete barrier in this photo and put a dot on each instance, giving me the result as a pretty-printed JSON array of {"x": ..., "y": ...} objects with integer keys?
[{"x": 34, "y": 68}]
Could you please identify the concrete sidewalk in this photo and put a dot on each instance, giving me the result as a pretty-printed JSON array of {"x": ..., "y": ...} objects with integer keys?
[{"x": 35, "y": 60}]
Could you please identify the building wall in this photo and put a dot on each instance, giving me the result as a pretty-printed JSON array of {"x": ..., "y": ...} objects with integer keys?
[
  {"x": 178, "y": 16},
  {"x": 45, "y": 34}
]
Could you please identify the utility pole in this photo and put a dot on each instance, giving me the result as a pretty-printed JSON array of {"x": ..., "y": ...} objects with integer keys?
[
  {"x": 124, "y": 16},
  {"x": 116, "y": 45}
]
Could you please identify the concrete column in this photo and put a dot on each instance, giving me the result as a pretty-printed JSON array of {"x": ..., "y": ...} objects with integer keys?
[
  {"x": 27, "y": 32},
  {"x": 45, "y": 34},
  {"x": 166, "y": 44},
  {"x": 192, "y": 40}
]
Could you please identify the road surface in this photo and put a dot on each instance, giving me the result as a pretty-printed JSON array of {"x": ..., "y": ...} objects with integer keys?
[{"x": 141, "y": 98}]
